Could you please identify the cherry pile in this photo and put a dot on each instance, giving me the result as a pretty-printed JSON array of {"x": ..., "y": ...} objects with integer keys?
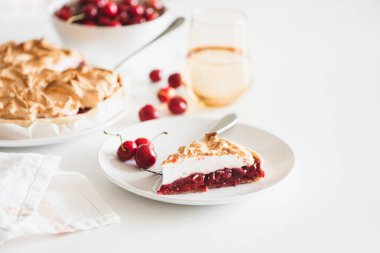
[
  {"x": 141, "y": 150},
  {"x": 176, "y": 104},
  {"x": 110, "y": 12}
]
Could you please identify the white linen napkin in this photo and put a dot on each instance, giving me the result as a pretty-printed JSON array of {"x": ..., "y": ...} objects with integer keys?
[{"x": 36, "y": 198}]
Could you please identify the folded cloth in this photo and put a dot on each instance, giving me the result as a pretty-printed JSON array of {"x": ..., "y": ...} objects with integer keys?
[{"x": 36, "y": 198}]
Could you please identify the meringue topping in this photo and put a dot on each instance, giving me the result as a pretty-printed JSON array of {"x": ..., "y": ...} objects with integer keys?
[
  {"x": 38, "y": 54},
  {"x": 212, "y": 145},
  {"x": 32, "y": 85},
  {"x": 51, "y": 94}
]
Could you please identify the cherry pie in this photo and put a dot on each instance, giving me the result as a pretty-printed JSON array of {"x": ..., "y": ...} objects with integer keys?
[{"x": 212, "y": 163}]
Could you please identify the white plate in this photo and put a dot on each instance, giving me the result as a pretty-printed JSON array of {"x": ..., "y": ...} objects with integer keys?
[
  {"x": 62, "y": 138},
  {"x": 277, "y": 155}
]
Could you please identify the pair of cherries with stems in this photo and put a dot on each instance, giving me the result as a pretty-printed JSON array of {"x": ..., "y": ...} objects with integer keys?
[{"x": 141, "y": 150}]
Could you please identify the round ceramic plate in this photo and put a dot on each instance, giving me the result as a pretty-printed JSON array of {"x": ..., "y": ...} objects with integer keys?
[
  {"x": 277, "y": 155},
  {"x": 62, "y": 138}
]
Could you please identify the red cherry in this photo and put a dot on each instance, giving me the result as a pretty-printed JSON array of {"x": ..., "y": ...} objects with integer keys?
[
  {"x": 131, "y": 2},
  {"x": 145, "y": 156},
  {"x": 121, "y": 7},
  {"x": 155, "y": 75},
  {"x": 137, "y": 10},
  {"x": 126, "y": 150},
  {"x": 100, "y": 3},
  {"x": 138, "y": 20},
  {"x": 110, "y": 9},
  {"x": 175, "y": 80},
  {"x": 90, "y": 11},
  {"x": 150, "y": 14},
  {"x": 141, "y": 141},
  {"x": 165, "y": 94},
  {"x": 65, "y": 12},
  {"x": 148, "y": 112},
  {"x": 123, "y": 17},
  {"x": 156, "y": 4},
  {"x": 90, "y": 23},
  {"x": 104, "y": 21},
  {"x": 177, "y": 105},
  {"x": 114, "y": 23}
]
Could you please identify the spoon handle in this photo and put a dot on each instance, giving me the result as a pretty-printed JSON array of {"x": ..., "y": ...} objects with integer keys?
[
  {"x": 224, "y": 123},
  {"x": 175, "y": 24}
]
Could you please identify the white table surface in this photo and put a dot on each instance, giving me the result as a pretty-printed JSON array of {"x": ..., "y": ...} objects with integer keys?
[{"x": 317, "y": 85}]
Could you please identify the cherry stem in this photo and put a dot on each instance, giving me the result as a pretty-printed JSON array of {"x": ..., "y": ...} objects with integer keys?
[
  {"x": 75, "y": 18},
  {"x": 116, "y": 135},
  {"x": 158, "y": 135},
  {"x": 153, "y": 172}
]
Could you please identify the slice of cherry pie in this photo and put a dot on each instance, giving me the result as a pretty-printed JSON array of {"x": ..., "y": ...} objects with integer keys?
[{"x": 212, "y": 163}]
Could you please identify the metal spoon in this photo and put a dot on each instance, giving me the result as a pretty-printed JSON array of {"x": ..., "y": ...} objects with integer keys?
[
  {"x": 175, "y": 24},
  {"x": 224, "y": 123}
]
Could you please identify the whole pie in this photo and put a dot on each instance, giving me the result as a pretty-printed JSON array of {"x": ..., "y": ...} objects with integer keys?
[
  {"x": 33, "y": 87},
  {"x": 211, "y": 163}
]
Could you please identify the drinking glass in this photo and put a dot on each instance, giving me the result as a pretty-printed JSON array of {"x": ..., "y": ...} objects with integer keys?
[{"x": 218, "y": 65}]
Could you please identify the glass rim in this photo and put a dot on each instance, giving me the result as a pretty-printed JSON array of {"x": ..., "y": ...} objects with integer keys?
[{"x": 241, "y": 20}]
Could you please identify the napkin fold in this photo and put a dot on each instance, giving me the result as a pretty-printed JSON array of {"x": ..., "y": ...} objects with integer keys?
[{"x": 37, "y": 198}]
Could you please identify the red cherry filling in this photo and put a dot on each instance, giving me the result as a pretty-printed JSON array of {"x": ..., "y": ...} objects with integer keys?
[{"x": 221, "y": 178}]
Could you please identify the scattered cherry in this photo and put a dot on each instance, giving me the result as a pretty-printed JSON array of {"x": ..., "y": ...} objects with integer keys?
[
  {"x": 155, "y": 75},
  {"x": 177, "y": 105},
  {"x": 175, "y": 80},
  {"x": 165, "y": 94},
  {"x": 145, "y": 156},
  {"x": 148, "y": 112},
  {"x": 126, "y": 150}
]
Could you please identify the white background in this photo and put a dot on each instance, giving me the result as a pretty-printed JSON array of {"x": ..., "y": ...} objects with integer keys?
[{"x": 317, "y": 79}]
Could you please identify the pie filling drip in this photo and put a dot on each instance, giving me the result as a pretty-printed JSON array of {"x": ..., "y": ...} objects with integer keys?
[{"x": 211, "y": 163}]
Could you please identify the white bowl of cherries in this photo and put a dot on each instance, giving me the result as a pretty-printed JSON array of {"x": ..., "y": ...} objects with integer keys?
[{"x": 106, "y": 31}]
